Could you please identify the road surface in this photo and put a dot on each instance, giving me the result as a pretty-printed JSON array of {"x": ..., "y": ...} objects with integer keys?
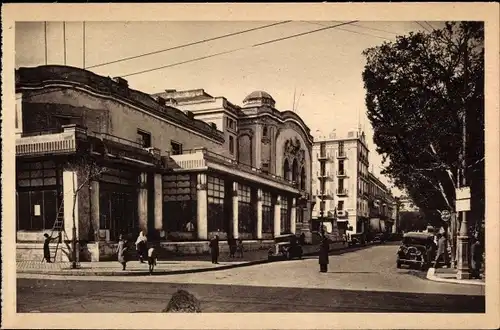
[{"x": 365, "y": 280}]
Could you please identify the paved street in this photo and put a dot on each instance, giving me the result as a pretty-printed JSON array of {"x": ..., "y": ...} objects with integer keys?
[{"x": 365, "y": 280}]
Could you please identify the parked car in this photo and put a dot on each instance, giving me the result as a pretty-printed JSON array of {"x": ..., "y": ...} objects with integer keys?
[
  {"x": 285, "y": 248},
  {"x": 417, "y": 249}
]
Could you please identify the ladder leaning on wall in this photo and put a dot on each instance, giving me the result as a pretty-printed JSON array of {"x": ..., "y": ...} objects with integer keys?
[{"x": 58, "y": 229}]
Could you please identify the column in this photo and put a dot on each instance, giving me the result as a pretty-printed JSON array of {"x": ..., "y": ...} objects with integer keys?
[
  {"x": 259, "y": 213},
  {"x": 277, "y": 216},
  {"x": 293, "y": 216},
  {"x": 235, "y": 210},
  {"x": 95, "y": 212},
  {"x": 258, "y": 144},
  {"x": 142, "y": 202},
  {"x": 70, "y": 201},
  {"x": 158, "y": 190},
  {"x": 70, "y": 181},
  {"x": 201, "y": 207}
]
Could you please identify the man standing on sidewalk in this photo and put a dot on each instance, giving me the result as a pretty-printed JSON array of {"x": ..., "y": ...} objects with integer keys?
[
  {"x": 442, "y": 251},
  {"x": 214, "y": 249},
  {"x": 477, "y": 257}
]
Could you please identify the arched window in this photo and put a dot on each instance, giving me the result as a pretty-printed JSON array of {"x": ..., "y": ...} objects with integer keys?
[
  {"x": 303, "y": 179},
  {"x": 286, "y": 170},
  {"x": 295, "y": 171}
]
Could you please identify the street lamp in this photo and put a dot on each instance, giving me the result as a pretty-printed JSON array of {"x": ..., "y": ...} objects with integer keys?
[{"x": 463, "y": 269}]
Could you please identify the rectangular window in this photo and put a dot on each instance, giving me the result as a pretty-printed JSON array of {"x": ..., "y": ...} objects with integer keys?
[
  {"x": 180, "y": 206},
  {"x": 231, "y": 145},
  {"x": 144, "y": 138},
  {"x": 285, "y": 216},
  {"x": 323, "y": 168},
  {"x": 215, "y": 199},
  {"x": 340, "y": 205},
  {"x": 341, "y": 166},
  {"x": 176, "y": 148},
  {"x": 341, "y": 185},
  {"x": 267, "y": 213},
  {"x": 37, "y": 209},
  {"x": 245, "y": 209},
  {"x": 322, "y": 149},
  {"x": 341, "y": 148}
]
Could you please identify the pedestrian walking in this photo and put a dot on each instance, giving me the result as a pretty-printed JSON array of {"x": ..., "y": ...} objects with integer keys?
[
  {"x": 239, "y": 248},
  {"x": 46, "y": 247},
  {"x": 214, "y": 249},
  {"x": 324, "y": 249},
  {"x": 152, "y": 258},
  {"x": 477, "y": 257},
  {"x": 232, "y": 246},
  {"x": 122, "y": 251},
  {"x": 141, "y": 245},
  {"x": 442, "y": 251}
]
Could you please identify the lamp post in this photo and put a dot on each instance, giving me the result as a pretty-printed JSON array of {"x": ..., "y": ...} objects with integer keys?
[{"x": 463, "y": 266}]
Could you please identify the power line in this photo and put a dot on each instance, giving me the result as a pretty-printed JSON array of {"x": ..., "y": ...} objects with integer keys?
[
  {"x": 347, "y": 30},
  {"x": 187, "y": 45},
  {"x": 375, "y": 29},
  {"x": 234, "y": 50},
  {"x": 429, "y": 24},
  {"x": 426, "y": 29}
]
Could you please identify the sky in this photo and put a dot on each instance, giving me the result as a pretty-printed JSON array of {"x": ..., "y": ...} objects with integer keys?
[{"x": 321, "y": 71}]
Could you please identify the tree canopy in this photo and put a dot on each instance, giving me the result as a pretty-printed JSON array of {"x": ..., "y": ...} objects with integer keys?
[{"x": 417, "y": 89}]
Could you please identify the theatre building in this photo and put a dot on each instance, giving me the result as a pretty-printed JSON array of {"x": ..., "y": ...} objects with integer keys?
[{"x": 181, "y": 166}]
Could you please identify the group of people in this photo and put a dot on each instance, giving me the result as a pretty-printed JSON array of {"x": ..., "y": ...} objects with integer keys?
[
  {"x": 235, "y": 248},
  {"x": 143, "y": 252}
]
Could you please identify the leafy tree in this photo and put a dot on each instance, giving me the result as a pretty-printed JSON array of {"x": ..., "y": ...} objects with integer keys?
[{"x": 417, "y": 89}]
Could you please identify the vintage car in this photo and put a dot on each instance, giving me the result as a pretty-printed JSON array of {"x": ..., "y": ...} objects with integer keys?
[
  {"x": 417, "y": 249},
  {"x": 285, "y": 248}
]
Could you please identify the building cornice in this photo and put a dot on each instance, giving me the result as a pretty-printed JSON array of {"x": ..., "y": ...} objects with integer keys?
[{"x": 70, "y": 77}]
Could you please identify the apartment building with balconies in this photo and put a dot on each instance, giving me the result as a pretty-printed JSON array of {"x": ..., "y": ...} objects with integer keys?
[
  {"x": 340, "y": 181},
  {"x": 246, "y": 178}
]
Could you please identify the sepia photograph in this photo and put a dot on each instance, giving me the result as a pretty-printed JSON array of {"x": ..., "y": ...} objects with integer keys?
[{"x": 295, "y": 165}]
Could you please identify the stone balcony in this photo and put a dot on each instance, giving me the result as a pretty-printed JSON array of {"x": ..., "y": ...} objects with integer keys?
[
  {"x": 49, "y": 142},
  {"x": 201, "y": 159}
]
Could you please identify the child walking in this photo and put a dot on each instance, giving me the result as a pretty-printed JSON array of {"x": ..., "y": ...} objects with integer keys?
[{"x": 152, "y": 257}]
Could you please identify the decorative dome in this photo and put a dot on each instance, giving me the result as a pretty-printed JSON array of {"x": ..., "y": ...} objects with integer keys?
[{"x": 258, "y": 98}]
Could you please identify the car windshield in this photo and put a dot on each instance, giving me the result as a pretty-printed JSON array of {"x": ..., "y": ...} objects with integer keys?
[{"x": 414, "y": 241}]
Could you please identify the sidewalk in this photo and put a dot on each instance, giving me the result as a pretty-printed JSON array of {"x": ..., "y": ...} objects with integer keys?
[
  {"x": 166, "y": 266},
  {"x": 448, "y": 275},
  {"x": 172, "y": 265}
]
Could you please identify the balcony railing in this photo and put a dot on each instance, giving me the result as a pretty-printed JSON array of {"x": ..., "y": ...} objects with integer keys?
[
  {"x": 323, "y": 156},
  {"x": 341, "y": 173},
  {"x": 342, "y": 192},
  {"x": 341, "y": 154},
  {"x": 198, "y": 157},
  {"x": 323, "y": 175},
  {"x": 51, "y": 141},
  {"x": 324, "y": 194}
]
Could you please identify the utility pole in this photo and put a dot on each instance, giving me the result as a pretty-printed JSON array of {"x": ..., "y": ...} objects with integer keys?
[{"x": 463, "y": 267}]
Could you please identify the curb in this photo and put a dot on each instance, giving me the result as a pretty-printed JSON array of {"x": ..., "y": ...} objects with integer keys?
[
  {"x": 432, "y": 277},
  {"x": 70, "y": 272}
]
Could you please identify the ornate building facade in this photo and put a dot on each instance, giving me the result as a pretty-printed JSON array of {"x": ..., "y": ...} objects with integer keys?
[{"x": 181, "y": 166}]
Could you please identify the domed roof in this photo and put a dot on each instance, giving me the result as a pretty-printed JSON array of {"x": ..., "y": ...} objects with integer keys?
[{"x": 257, "y": 95}]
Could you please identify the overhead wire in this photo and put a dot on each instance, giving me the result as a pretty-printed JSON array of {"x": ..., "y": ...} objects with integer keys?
[
  {"x": 425, "y": 28},
  {"x": 187, "y": 45},
  {"x": 347, "y": 30},
  {"x": 237, "y": 49}
]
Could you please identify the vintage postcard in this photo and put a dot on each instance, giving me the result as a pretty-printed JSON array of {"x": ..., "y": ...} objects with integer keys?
[{"x": 250, "y": 166}]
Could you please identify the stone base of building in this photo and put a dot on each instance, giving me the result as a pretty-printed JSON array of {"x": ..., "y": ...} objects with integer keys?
[{"x": 34, "y": 252}]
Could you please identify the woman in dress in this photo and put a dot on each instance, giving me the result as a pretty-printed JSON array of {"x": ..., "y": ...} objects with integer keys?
[
  {"x": 141, "y": 246},
  {"x": 121, "y": 251}
]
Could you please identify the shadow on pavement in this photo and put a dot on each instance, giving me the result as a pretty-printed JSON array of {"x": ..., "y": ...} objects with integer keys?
[{"x": 61, "y": 296}]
